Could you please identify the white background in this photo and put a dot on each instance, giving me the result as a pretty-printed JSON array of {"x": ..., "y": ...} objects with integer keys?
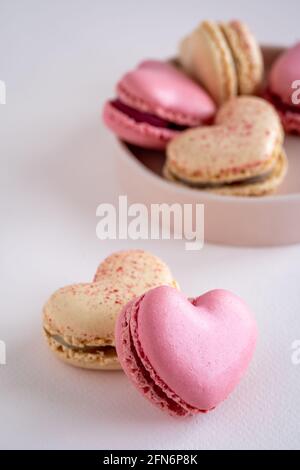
[{"x": 60, "y": 60}]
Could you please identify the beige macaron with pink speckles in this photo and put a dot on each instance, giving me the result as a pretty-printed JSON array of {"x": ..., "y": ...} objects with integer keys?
[
  {"x": 241, "y": 155},
  {"x": 225, "y": 58},
  {"x": 79, "y": 320}
]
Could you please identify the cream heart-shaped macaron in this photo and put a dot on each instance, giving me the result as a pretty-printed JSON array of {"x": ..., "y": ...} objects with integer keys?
[
  {"x": 240, "y": 155},
  {"x": 185, "y": 356},
  {"x": 79, "y": 319}
]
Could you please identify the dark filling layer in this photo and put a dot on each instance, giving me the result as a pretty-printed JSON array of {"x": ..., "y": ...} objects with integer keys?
[
  {"x": 151, "y": 385},
  {"x": 107, "y": 350},
  {"x": 254, "y": 180},
  {"x": 156, "y": 389},
  {"x": 147, "y": 118},
  {"x": 280, "y": 105}
]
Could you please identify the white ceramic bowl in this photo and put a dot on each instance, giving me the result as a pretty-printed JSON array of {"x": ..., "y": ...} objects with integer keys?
[{"x": 264, "y": 221}]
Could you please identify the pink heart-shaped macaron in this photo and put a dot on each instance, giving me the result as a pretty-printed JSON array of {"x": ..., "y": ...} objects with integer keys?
[
  {"x": 186, "y": 356},
  {"x": 156, "y": 101}
]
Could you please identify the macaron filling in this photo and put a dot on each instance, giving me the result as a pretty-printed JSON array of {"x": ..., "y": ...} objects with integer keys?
[
  {"x": 147, "y": 118},
  {"x": 107, "y": 350},
  {"x": 172, "y": 406},
  {"x": 207, "y": 185},
  {"x": 281, "y": 105}
]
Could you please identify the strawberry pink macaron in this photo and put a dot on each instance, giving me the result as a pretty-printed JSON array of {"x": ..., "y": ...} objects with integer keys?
[
  {"x": 185, "y": 356},
  {"x": 284, "y": 88},
  {"x": 154, "y": 103}
]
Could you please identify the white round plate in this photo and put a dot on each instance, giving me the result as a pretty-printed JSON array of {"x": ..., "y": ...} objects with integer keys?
[{"x": 242, "y": 221}]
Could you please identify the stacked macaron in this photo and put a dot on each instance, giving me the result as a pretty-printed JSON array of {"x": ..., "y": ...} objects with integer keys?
[
  {"x": 284, "y": 88},
  {"x": 225, "y": 58},
  {"x": 185, "y": 355}
]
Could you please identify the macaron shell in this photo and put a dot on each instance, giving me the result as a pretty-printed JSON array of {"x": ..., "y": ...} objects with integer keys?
[
  {"x": 284, "y": 72},
  {"x": 245, "y": 142},
  {"x": 208, "y": 58},
  {"x": 160, "y": 88},
  {"x": 186, "y": 55},
  {"x": 247, "y": 56},
  {"x": 201, "y": 351},
  {"x": 85, "y": 314},
  {"x": 136, "y": 133},
  {"x": 135, "y": 269}
]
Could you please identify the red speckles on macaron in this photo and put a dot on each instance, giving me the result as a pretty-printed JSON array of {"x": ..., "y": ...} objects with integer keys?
[
  {"x": 244, "y": 142},
  {"x": 86, "y": 312}
]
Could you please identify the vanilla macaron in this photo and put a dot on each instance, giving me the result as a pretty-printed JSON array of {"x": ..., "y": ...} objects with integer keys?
[
  {"x": 241, "y": 155},
  {"x": 225, "y": 58},
  {"x": 79, "y": 320}
]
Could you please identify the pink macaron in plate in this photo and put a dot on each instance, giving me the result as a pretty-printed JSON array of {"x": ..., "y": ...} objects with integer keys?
[
  {"x": 154, "y": 103},
  {"x": 185, "y": 356},
  {"x": 284, "y": 88}
]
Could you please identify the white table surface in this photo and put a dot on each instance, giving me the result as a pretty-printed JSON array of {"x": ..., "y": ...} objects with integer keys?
[{"x": 60, "y": 60}]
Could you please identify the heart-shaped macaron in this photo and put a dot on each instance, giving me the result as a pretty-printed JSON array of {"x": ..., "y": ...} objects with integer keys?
[
  {"x": 241, "y": 154},
  {"x": 156, "y": 101},
  {"x": 79, "y": 320},
  {"x": 185, "y": 356}
]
